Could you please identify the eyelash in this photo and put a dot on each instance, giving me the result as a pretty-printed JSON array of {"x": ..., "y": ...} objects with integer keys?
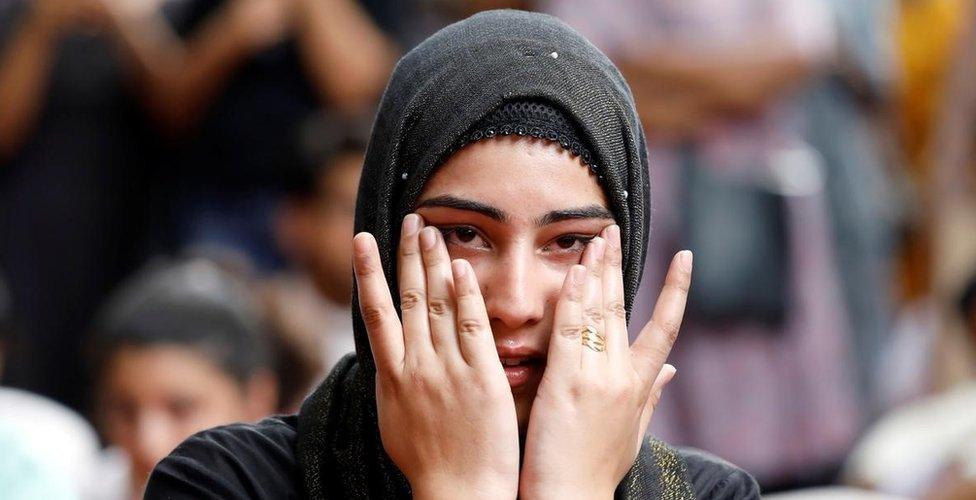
[
  {"x": 451, "y": 232},
  {"x": 582, "y": 239}
]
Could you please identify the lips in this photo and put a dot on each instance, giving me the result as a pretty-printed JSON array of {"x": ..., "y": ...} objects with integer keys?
[{"x": 522, "y": 364}]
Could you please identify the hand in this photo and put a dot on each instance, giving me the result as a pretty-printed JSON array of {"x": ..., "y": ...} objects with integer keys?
[
  {"x": 592, "y": 408},
  {"x": 55, "y": 17},
  {"x": 446, "y": 413},
  {"x": 259, "y": 24},
  {"x": 119, "y": 11}
]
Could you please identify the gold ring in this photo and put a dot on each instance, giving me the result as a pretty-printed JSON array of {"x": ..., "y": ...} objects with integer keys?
[{"x": 593, "y": 339}]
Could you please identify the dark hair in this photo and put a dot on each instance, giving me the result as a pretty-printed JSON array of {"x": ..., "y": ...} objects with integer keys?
[
  {"x": 967, "y": 303},
  {"x": 189, "y": 303},
  {"x": 322, "y": 139}
]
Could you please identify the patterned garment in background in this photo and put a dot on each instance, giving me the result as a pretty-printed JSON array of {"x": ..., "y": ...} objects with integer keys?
[{"x": 779, "y": 402}]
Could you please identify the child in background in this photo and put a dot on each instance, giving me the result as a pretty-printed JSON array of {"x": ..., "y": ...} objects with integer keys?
[
  {"x": 926, "y": 449},
  {"x": 180, "y": 348}
]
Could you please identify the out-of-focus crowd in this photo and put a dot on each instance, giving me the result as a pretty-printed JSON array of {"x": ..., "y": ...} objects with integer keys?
[{"x": 177, "y": 193}]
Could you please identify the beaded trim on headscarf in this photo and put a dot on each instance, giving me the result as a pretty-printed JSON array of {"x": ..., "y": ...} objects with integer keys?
[{"x": 530, "y": 118}]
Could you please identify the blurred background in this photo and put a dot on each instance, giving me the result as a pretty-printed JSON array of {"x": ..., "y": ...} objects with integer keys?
[{"x": 178, "y": 182}]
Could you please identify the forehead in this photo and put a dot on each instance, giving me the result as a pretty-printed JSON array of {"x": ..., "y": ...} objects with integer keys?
[{"x": 524, "y": 177}]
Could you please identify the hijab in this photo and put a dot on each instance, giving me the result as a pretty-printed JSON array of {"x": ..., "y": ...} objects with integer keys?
[{"x": 438, "y": 93}]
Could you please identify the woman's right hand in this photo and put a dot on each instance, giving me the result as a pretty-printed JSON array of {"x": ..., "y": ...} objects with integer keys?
[{"x": 446, "y": 412}]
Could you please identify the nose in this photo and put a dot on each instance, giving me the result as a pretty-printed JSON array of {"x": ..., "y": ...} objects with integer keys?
[{"x": 513, "y": 296}]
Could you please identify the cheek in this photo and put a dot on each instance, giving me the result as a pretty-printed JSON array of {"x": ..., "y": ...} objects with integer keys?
[{"x": 118, "y": 421}]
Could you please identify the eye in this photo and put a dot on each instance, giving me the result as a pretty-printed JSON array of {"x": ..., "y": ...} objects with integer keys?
[
  {"x": 182, "y": 407},
  {"x": 464, "y": 236},
  {"x": 569, "y": 243}
]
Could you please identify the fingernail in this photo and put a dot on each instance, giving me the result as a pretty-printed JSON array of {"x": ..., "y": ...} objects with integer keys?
[
  {"x": 685, "y": 258},
  {"x": 460, "y": 269},
  {"x": 428, "y": 237},
  {"x": 670, "y": 368},
  {"x": 361, "y": 242},
  {"x": 410, "y": 224}
]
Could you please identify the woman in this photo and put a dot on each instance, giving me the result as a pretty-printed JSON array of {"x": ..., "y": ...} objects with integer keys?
[
  {"x": 179, "y": 349},
  {"x": 510, "y": 144}
]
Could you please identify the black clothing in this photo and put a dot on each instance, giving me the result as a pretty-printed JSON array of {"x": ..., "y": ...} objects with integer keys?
[
  {"x": 258, "y": 461},
  {"x": 249, "y": 134}
]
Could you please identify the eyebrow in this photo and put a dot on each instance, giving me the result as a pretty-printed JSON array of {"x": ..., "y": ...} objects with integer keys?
[
  {"x": 456, "y": 203},
  {"x": 448, "y": 201},
  {"x": 590, "y": 212}
]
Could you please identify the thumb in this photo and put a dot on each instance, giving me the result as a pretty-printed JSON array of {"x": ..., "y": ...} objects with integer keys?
[{"x": 654, "y": 396}]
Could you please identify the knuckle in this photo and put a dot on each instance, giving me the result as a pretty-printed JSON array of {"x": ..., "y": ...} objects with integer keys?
[
  {"x": 620, "y": 394},
  {"x": 578, "y": 389},
  {"x": 678, "y": 285},
  {"x": 469, "y": 327},
  {"x": 417, "y": 381},
  {"x": 409, "y": 250},
  {"x": 574, "y": 296},
  {"x": 570, "y": 332},
  {"x": 433, "y": 259},
  {"x": 366, "y": 268},
  {"x": 670, "y": 327},
  {"x": 599, "y": 387},
  {"x": 373, "y": 316},
  {"x": 411, "y": 298},
  {"x": 386, "y": 383},
  {"x": 594, "y": 314},
  {"x": 438, "y": 306},
  {"x": 617, "y": 310}
]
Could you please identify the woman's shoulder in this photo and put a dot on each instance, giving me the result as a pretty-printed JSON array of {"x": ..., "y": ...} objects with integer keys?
[
  {"x": 713, "y": 478},
  {"x": 233, "y": 461}
]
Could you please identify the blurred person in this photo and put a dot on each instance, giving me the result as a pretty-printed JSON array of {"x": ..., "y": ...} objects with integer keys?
[
  {"x": 47, "y": 451},
  {"x": 232, "y": 82},
  {"x": 502, "y": 219},
  {"x": 74, "y": 155},
  {"x": 925, "y": 449},
  {"x": 770, "y": 380},
  {"x": 179, "y": 348},
  {"x": 950, "y": 201},
  {"x": 309, "y": 304},
  {"x": 22, "y": 477},
  {"x": 846, "y": 114},
  {"x": 929, "y": 47},
  {"x": 833, "y": 493}
]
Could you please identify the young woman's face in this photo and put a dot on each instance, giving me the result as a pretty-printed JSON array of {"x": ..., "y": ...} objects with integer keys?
[
  {"x": 152, "y": 398},
  {"x": 520, "y": 210}
]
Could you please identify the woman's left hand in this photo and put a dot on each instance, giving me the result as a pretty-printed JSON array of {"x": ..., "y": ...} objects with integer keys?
[{"x": 594, "y": 402}]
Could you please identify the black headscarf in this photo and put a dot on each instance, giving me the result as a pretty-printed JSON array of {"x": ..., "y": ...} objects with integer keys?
[{"x": 437, "y": 93}]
